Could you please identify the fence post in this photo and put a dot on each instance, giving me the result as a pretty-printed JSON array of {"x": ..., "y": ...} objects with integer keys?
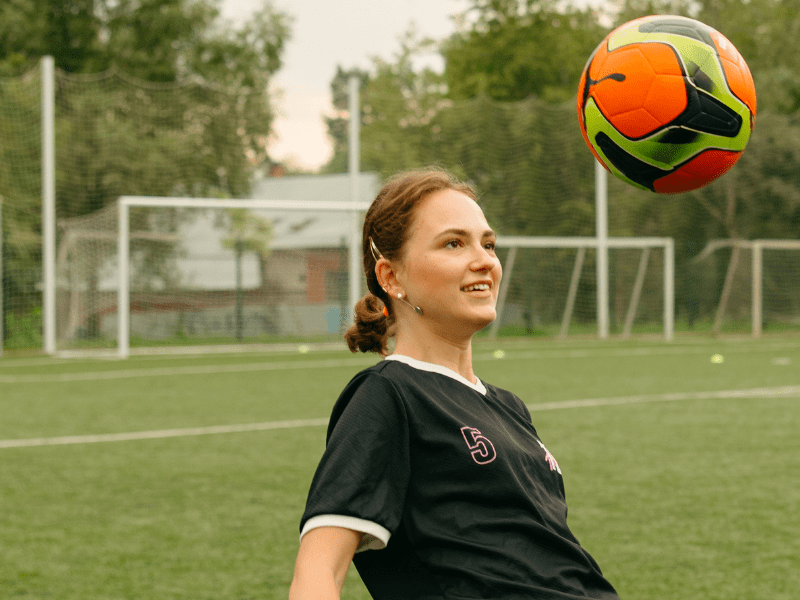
[
  {"x": 123, "y": 291},
  {"x": 354, "y": 164},
  {"x": 757, "y": 294},
  {"x": 601, "y": 220},
  {"x": 2, "y": 314},
  {"x": 669, "y": 290},
  {"x": 48, "y": 205}
]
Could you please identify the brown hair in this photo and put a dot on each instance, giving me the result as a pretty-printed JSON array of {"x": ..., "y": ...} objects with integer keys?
[{"x": 388, "y": 222}]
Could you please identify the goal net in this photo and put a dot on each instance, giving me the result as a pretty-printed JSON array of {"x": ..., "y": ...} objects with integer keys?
[
  {"x": 115, "y": 135},
  {"x": 752, "y": 285},
  {"x": 178, "y": 272},
  {"x": 550, "y": 287}
]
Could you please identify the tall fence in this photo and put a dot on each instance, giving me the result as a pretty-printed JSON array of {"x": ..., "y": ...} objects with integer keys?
[{"x": 116, "y": 136}]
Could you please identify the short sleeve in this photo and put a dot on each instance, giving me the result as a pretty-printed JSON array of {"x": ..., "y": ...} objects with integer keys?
[
  {"x": 523, "y": 408},
  {"x": 364, "y": 471}
]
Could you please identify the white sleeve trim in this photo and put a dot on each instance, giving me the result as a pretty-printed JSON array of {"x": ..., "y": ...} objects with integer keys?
[{"x": 375, "y": 536}]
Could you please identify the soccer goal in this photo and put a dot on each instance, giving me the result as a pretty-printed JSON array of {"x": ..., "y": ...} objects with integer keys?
[
  {"x": 551, "y": 286},
  {"x": 751, "y": 283},
  {"x": 180, "y": 274},
  {"x": 189, "y": 272}
]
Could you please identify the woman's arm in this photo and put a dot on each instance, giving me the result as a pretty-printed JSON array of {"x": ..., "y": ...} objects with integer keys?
[{"x": 322, "y": 562}]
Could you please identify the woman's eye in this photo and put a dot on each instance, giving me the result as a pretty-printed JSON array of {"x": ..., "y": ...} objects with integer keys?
[
  {"x": 490, "y": 245},
  {"x": 452, "y": 244}
]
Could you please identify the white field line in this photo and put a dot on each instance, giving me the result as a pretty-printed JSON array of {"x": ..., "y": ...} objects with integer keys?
[
  {"x": 362, "y": 361},
  {"x": 778, "y": 392},
  {"x": 789, "y": 391},
  {"x": 160, "y": 433},
  {"x": 664, "y": 350},
  {"x": 185, "y": 370}
]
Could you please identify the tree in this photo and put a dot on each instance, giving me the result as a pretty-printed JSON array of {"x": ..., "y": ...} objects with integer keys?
[
  {"x": 338, "y": 124},
  {"x": 181, "y": 108},
  {"x": 68, "y": 30},
  {"x": 248, "y": 232},
  {"x": 398, "y": 106},
  {"x": 520, "y": 48}
]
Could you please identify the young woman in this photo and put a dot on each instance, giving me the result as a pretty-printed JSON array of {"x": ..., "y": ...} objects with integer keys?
[{"x": 434, "y": 483}]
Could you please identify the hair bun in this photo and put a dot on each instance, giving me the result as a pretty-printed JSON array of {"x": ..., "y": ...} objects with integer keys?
[{"x": 369, "y": 332}]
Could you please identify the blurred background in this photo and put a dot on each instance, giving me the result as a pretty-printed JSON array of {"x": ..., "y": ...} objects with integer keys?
[
  {"x": 177, "y": 181},
  {"x": 242, "y": 99}
]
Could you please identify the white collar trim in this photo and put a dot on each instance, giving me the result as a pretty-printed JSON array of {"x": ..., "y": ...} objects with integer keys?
[{"x": 433, "y": 368}]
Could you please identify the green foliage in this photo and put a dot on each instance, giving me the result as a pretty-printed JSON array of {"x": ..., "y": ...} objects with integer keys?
[
  {"x": 501, "y": 115},
  {"x": 517, "y": 49},
  {"x": 154, "y": 40},
  {"x": 20, "y": 177},
  {"x": 179, "y": 108},
  {"x": 23, "y": 330},
  {"x": 65, "y": 29},
  {"x": 519, "y": 155},
  {"x": 398, "y": 105}
]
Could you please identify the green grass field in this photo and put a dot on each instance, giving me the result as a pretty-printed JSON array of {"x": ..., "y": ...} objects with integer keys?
[{"x": 682, "y": 474}]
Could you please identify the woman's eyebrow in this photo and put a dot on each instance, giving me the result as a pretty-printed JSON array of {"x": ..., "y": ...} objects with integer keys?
[{"x": 464, "y": 232}]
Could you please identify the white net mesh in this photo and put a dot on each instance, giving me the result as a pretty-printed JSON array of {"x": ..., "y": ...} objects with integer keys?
[
  {"x": 20, "y": 193},
  {"x": 117, "y": 136},
  {"x": 208, "y": 276},
  {"x": 781, "y": 300},
  {"x": 552, "y": 291},
  {"x": 751, "y": 290}
]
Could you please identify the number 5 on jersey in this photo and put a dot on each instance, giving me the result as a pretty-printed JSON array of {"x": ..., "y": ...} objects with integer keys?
[{"x": 482, "y": 449}]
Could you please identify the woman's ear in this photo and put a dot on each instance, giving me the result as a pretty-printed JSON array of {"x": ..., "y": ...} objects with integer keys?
[{"x": 386, "y": 274}]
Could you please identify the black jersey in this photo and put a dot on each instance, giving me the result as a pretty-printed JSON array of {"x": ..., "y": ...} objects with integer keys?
[{"x": 455, "y": 492}]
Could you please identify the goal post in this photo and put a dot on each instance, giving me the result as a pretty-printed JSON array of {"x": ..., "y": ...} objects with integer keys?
[
  {"x": 294, "y": 215},
  {"x": 562, "y": 302}
]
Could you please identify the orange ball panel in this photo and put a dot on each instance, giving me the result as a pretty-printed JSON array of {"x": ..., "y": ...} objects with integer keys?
[
  {"x": 666, "y": 99},
  {"x": 596, "y": 62},
  {"x": 617, "y": 97},
  {"x": 661, "y": 57},
  {"x": 697, "y": 172},
  {"x": 652, "y": 93},
  {"x": 740, "y": 80},
  {"x": 636, "y": 123}
]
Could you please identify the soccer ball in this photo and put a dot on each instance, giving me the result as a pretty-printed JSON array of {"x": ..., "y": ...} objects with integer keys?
[{"x": 666, "y": 103}]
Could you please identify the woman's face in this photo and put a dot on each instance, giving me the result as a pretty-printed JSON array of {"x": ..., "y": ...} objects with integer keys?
[{"x": 449, "y": 266}]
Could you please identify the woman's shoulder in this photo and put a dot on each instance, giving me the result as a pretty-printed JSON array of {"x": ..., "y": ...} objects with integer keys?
[
  {"x": 390, "y": 372},
  {"x": 391, "y": 389},
  {"x": 381, "y": 373},
  {"x": 373, "y": 394}
]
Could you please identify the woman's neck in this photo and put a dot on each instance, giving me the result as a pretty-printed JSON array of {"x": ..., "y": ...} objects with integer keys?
[{"x": 439, "y": 351}]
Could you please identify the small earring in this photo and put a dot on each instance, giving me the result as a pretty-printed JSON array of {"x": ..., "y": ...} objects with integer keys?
[{"x": 399, "y": 296}]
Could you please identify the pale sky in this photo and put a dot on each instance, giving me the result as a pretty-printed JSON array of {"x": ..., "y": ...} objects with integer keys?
[{"x": 327, "y": 33}]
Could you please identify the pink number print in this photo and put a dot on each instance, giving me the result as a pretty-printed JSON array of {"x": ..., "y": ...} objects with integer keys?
[
  {"x": 483, "y": 451},
  {"x": 551, "y": 460}
]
